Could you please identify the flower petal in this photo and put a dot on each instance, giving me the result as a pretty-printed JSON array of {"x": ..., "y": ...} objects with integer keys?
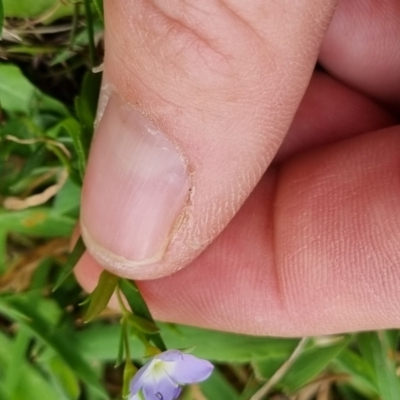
[
  {"x": 140, "y": 377},
  {"x": 170, "y": 356},
  {"x": 189, "y": 370},
  {"x": 178, "y": 391},
  {"x": 159, "y": 388}
]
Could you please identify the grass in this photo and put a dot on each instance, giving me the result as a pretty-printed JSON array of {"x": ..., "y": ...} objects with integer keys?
[{"x": 48, "y": 95}]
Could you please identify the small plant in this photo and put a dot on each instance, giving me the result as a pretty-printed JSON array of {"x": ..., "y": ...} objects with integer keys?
[{"x": 58, "y": 343}]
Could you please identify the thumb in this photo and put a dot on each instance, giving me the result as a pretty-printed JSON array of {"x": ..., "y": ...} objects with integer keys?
[{"x": 199, "y": 97}]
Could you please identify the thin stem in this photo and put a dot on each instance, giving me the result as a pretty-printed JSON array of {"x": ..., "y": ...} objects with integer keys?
[
  {"x": 126, "y": 344},
  {"x": 89, "y": 24},
  {"x": 281, "y": 371},
  {"x": 121, "y": 304},
  {"x": 74, "y": 26}
]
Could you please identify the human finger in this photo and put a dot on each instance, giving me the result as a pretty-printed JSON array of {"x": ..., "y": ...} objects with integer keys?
[
  {"x": 314, "y": 250},
  {"x": 200, "y": 95}
]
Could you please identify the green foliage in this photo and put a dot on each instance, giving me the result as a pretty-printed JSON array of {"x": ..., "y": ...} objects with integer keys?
[
  {"x": 85, "y": 107},
  {"x": 73, "y": 258},
  {"x": 217, "y": 387},
  {"x": 1, "y": 18},
  {"x": 378, "y": 352},
  {"x": 139, "y": 308},
  {"x": 35, "y": 387},
  {"x": 33, "y": 9},
  {"x": 18, "y": 95},
  {"x": 33, "y": 315},
  {"x": 311, "y": 363},
  {"x": 43, "y": 341},
  {"x": 101, "y": 295},
  {"x": 98, "y": 4}
]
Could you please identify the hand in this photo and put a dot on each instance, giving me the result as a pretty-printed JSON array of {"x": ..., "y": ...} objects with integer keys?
[{"x": 199, "y": 98}]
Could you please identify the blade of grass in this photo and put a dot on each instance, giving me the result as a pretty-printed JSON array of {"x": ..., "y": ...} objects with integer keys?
[
  {"x": 311, "y": 363},
  {"x": 74, "y": 28},
  {"x": 281, "y": 371},
  {"x": 86, "y": 107},
  {"x": 74, "y": 130},
  {"x": 37, "y": 222},
  {"x": 376, "y": 350},
  {"x": 55, "y": 339},
  {"x": 18, "y": 351},
  {"x": 100, "y": 340},
  {"x": 63, "y": 378},
  {"x": 3, "y": 253},
  {"x": 358, "y": 371},
  {"x": 90, "y": 30},
  {"x": 1, "y": 18},
  {"x": 69, "y": 266},
  {"x": 34, "y": 386},
  {"x": 139, "y": 308},
  {"x": 101, "y": 295},
  {"x": 98, "y": 4},
  {"x": 218, "y": 387}
]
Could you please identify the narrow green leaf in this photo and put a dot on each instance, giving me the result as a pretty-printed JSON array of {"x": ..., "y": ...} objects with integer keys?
[
  {"x": 121, "y": 346},
  {"x": 86, "y": 104},
  {"x": 64, "y": 378},
  {"x": 33, "y": 9},
  {"x": 90, "y": 30},
  {"x": 100, "y": 341},
  {"x": 37, "y": 221},
  {"x": 252, "y": 387},
  {"x": 360, "y": 375},
  {"x": 129, "y": 372},
  {"x": 69, "y": 266},
  {"x": 1, "y": 18},
  {"x": 348, "y": 393},
  {"x": 376, "y": 350},
  {"x": 135, "y": 299},
  {"x": 18, "y": 351},
  {"x": 67, "y": 200},
  {"x": 18, "y": 95},
  {"x": 393, "y": 336},
  {"x": 311, "y": 363},
  {"x": 3, "y": 251},
  {"x": 101, "y": 295},
  {"x": 34, "y": 160},
  {"x": 98, "y": 5},
  {"x": 73, "y": 129},
  {"x": 32, "y": 50},
  {"x": 40, "y": 277},
  {"x": 34, "y": 387},
  {"x": 217, "y": 387},
  {"x": 86, "y": 108},
  {"x": 9, "y": 312},
  {"x": 34, "y": 321},
  {"x": 143, "y": 325},
  {"x": 139, "y": 307}
]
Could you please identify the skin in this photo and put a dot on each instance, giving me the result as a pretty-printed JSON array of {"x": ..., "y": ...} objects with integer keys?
[{"x": 314, "y": 249}]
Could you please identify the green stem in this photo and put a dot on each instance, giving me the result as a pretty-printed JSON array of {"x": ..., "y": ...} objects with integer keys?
[
  {"x": 129, "y": 369},
  {"x": 74, "y": 26},
  {"x": 89, "y": 24},
  {"x": 121, "y": 304},
  {"x": 126, "y": 345}
]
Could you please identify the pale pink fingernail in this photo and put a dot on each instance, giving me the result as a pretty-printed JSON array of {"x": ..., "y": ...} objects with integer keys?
[{"x": 135, "y": 189}]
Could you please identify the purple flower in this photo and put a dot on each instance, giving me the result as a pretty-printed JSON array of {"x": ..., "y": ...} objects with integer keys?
[{"x": 161, "y": 378}]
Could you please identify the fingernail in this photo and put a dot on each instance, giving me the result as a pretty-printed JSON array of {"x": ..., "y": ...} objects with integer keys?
[{"x": 135, "y": 190}]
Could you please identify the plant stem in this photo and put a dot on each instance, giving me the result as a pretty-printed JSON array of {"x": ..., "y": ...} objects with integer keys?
[
  {"x": 89, "y": 25},
  {"x": 281, "y": 371}
]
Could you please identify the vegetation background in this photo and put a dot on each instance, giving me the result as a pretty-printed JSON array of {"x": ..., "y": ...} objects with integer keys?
[{"x": 48, "y": 97}]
